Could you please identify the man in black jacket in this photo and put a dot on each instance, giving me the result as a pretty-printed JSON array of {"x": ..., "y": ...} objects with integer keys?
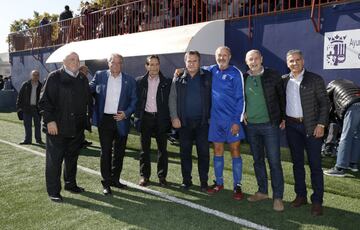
[
  {"x": 265, "y": 114},
  {"x": 345, "y": 105},
  {"x": 27, "y": 103},
  {"x": 64, "y": 103},
  {"x": 152, "y": 117},
  {"x": 189, "y": 103},
  {"x": 307, "y": 112}
]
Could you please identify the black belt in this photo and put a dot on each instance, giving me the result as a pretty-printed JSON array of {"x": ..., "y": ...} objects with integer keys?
[
  {"x": 108, "y": 115},
  {"x": 153, "y": 114},
  {"x": 295, "y": 119}
]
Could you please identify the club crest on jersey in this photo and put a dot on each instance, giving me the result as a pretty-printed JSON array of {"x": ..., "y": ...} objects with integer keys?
[{"x": 224, "y": 77}]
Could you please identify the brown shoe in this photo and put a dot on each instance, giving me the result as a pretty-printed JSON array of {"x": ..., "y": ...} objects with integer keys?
[
  {"x": 258, "y": 196},
  {"x": 316, "y": 209},
  {"x": 144, "y": 181},
  {"x": 299, "y": 201},
  {"x": 278, "y": 205}
]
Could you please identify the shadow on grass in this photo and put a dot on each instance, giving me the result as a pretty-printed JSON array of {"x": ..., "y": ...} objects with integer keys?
[{"x": 135, "y": 209}]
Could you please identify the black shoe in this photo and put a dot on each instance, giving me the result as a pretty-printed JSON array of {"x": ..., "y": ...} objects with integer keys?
[
  {"x": 107, "y": 191},
  {"x": 204, "y": 187},
  {"x": 40, "y": 142},
  {"x": 56, "y": 198},
  {"x": 75, "y": 189},
  {"x": 86, "y": 143},
  {"x": 186, "y": 185},
  {"x": 163, "y": 182},
  {"x": 117, "y": 184},
  {"x": 25, "y": 143}
]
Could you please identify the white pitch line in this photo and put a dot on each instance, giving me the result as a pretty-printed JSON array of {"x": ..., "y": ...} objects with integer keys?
[{"x": 210, "y": 211}]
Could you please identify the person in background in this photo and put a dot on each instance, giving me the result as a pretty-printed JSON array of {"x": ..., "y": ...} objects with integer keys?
[
  {"x": 27, "y": 102},
  {"x": 1, "y": 82},
  {"x": 85, "y": 71},
  {"x": 345, "y": 103}
]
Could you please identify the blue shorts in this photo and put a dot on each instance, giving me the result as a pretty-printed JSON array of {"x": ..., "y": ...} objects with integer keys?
[{"x": 220, "y": 131}]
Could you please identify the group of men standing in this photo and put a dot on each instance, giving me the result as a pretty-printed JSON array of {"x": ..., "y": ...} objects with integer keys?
[{"x": 206, "y": 105}]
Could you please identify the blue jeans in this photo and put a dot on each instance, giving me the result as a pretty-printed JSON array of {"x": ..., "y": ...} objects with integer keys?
[
  {"x": 349, "y": 146},
  {"x": 299, "y": 141},
  {"x": 28, "y": 117},
  {"x": 266, "y": 137}
]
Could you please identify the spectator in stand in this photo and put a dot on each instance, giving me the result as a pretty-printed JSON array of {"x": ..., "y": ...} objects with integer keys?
[
  {"x": 27, "y": 102},
  {"x": 307, "y": 112},
  {"x": 177, "y": 13},
  {"x": 65, "y": 23},
  {"x": 85, "y": 71},
  {"x": 45, "y": 31},
  {"x": 1, "y": 82},
  {"x": 66, "y": 14},
  {"x": 198, "y": 11},
  {"x": 88, "y": 21},
  {"x": 345, "y": 101}
]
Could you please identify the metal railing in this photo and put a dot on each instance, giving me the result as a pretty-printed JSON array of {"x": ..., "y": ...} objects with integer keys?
[{"x": 144, "y": 15}]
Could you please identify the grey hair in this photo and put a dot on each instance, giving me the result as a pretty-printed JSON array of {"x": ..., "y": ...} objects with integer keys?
[
  {"x": 294, "y": 51},
  {"x": 253, "y": 51},
  {"x": 223, "y": 48},
  {"x": 115, "y": 55}
]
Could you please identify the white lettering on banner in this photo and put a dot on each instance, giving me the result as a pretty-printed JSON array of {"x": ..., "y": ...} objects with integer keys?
[{"x": 342, "y": 49}]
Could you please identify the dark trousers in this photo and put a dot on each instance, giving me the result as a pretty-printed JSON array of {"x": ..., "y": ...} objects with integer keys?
[
  {"x": 150, "y": 125},
  {"x": 298, "y": 142},
  {"x": 111, "y": 162},
  {"x": 194, "y": 131},
  {"x": 28, "y": 117},
  {"x": 59, "y": 149}
]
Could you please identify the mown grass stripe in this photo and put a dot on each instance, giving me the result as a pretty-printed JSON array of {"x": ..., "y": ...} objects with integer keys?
[{"x": 201, "y": 208}]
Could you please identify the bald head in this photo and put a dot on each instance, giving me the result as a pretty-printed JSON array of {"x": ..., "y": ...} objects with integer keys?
[
  {"x": 72, "y": 62},
  {"x": 254, "y": 61}
]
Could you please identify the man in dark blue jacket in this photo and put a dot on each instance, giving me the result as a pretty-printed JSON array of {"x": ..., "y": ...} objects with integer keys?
[
  {"x": 115, "y": 101},
  {"x": 189, "y": 103}
]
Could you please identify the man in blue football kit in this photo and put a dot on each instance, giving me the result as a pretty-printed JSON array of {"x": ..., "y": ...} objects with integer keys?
[{"x": 226, "y": 114}]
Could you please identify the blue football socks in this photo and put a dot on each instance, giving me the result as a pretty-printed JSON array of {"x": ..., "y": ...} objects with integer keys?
[
  {"x": 237, "y": 170},
  {"x": 219, "y": 168}
]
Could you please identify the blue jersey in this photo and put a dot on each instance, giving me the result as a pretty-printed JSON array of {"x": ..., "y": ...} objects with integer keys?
[{"x": 227, "y": 94}]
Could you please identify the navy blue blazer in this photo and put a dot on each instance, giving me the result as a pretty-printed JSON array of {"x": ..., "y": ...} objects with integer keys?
[{"x": 127, "y": 102}]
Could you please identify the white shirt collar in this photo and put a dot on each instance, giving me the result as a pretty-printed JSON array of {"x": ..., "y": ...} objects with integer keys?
[{"x": 71, "y": 73}]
